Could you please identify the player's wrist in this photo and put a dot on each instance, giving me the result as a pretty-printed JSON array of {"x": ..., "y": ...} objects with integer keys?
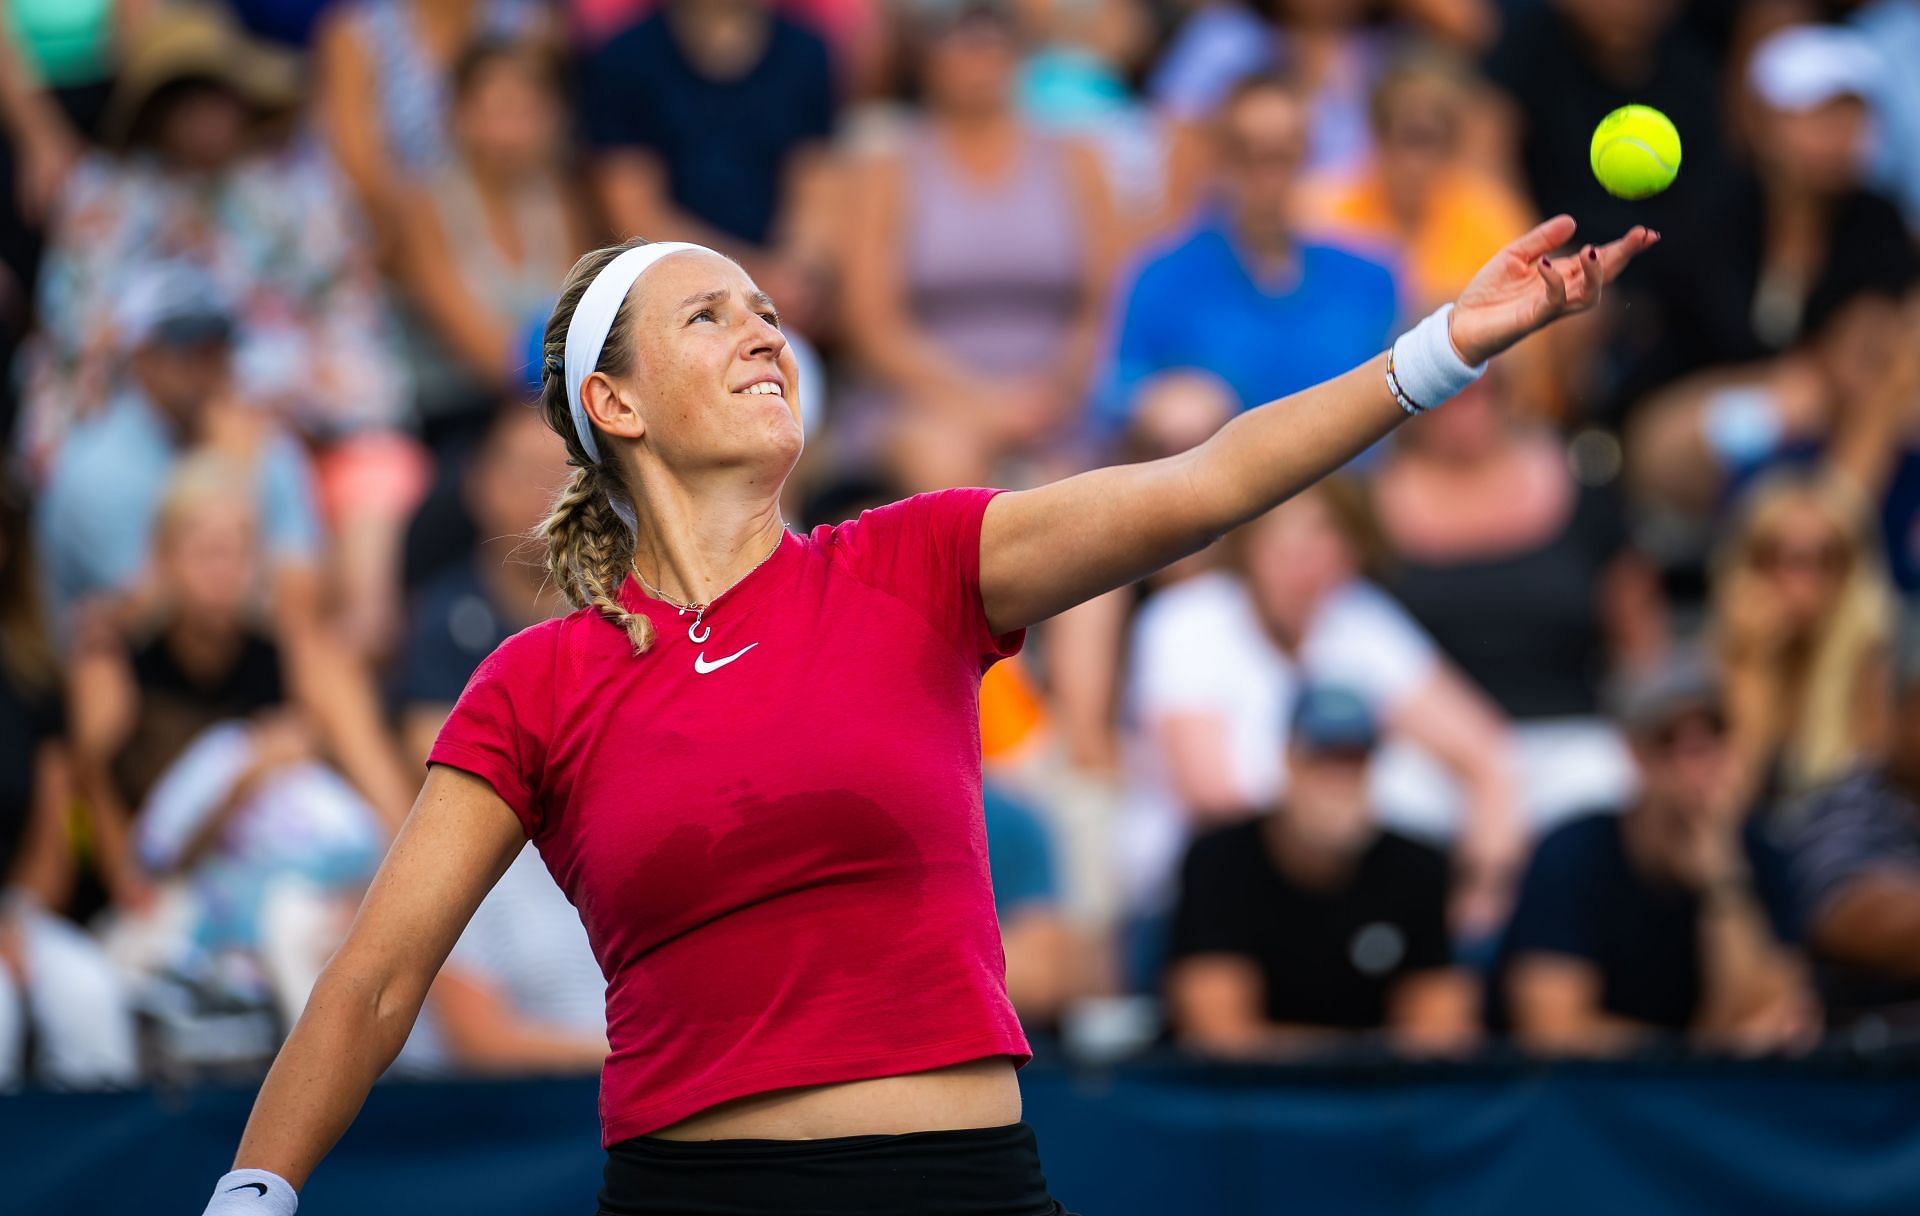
[
  {"x": 252, "y": 1192},
  {"x": 1425, "y": 367}
]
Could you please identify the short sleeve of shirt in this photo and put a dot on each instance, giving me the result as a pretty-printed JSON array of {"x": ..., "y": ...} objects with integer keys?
[
  {"x": 1211, "y": 915},
  {"x": 1552, "y": 914},
  {"x": 1366, "y": 641},
  {"x": 925, "y": 552},
  {"x": 500, "y": 726}
]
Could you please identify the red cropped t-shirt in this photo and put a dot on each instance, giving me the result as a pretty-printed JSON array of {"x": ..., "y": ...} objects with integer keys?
[{"x": 773, "y": 834}]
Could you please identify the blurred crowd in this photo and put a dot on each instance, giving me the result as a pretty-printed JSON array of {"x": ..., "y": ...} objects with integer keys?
[{"x": 1582, "y": 715}]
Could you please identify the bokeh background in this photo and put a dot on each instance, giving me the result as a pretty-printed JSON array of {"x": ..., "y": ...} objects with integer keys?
[{"x": 1527, "y": 814}]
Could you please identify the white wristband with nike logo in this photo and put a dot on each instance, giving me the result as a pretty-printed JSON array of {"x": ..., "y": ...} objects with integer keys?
[{"x": 253, "y": 1193}]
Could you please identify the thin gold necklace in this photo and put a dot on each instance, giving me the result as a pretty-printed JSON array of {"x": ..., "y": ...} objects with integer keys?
[{"x": 694, "y": 632}]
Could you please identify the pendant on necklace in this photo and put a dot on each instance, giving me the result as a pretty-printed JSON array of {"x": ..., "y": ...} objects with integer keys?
[{"x": 695, "y": 634}]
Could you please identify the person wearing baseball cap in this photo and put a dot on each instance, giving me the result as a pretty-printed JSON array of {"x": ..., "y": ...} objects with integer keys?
[
  {"x": 1668, "y": 918},
  {"x": 1797, "y": 252},
  {"x": 1309, "y": 925},
  {"x": 174, "y": 327}
]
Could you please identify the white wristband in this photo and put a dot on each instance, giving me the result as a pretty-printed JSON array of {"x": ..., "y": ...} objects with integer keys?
[
  {"x": 253, "y": 1193},
  {"x": 1423, "y": 370}
]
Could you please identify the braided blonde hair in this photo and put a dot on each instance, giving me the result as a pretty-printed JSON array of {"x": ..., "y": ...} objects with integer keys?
[{"x": 589, "y": 548}]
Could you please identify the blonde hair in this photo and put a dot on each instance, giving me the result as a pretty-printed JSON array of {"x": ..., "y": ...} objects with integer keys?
[
  {"x": 200, "y": 479},
  {"x": 1825, "y": 735},
  {"x": 589, "y": 547}
]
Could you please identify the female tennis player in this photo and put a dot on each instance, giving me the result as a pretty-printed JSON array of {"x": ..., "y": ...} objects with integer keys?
[{"x": 751, "y": 758}]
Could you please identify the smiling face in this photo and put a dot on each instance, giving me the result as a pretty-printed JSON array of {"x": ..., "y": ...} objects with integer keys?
[{"x": 713, "y": 384}]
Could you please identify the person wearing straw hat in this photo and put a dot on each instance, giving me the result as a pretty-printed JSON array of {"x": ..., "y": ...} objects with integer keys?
[
  {"x": 806, "y": 996},
  {"x": 201, "y": 174}
]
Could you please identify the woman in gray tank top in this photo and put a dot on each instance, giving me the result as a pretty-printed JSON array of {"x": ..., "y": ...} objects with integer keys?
[{"x": 975, "y": 277}]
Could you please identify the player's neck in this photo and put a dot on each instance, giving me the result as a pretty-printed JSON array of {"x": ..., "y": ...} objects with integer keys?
[{"x": 693, "y": 552}]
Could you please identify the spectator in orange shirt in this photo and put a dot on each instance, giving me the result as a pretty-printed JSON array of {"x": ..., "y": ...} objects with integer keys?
[{"x": 1416, "y": 203}]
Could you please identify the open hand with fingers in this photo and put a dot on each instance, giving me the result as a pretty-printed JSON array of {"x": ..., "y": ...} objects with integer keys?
[{"x": 1523, "y": 288}]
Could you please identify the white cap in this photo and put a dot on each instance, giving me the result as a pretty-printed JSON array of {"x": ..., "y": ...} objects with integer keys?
[{"x": 1803, "y": 67}]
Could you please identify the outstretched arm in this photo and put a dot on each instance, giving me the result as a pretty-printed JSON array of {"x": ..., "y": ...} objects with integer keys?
[
  {"x": 456, "y": 843},
  {"x": 1046, "y": 549}
]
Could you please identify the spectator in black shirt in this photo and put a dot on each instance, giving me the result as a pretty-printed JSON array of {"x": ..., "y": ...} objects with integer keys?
[
  {"x": 1743, "y": 333},
  {"x": 710, "y": 119},
  {"x": 1669, "y": 917},
  {"x": 1564, "y": 64},
  {"x": 53, "y": 977},
  {"x": 473, "y": 605},
  {"x": 1854, "y": 856},
  {"x": 1305, "y": 926}
]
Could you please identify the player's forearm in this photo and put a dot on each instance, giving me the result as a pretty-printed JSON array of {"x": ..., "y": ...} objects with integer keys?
[
  {"x": 351, "y": 1030},
  {"x": 1268, "y": 454},
  {"x": 1044, "y": 550}
]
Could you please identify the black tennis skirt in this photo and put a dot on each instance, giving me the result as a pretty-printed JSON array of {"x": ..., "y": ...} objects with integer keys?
[{"x": 984, "y": 1171}]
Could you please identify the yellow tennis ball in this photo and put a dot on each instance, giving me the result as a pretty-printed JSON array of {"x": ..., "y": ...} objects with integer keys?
[{"x": 1636, "y": 152}]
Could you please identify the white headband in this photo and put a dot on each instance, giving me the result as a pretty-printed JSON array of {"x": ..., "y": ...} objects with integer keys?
[{"x": 593, "y": 318}]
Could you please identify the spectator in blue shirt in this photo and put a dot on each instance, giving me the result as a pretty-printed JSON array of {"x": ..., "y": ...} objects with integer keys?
[
  {"x": 1242, "y": 296},
  {"x": 1045, "y": 957},
  {"x": 110, "y": 470}
]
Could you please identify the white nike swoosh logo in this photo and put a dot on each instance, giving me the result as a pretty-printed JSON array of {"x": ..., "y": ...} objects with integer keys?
[{"x": 701, "y": 665}]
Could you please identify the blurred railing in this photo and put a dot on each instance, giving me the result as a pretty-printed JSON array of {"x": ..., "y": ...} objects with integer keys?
[{"x": 1835, "y": 1134}]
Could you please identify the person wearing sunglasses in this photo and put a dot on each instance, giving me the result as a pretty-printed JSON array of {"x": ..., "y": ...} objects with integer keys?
[{"x": 1801, "y": 617}]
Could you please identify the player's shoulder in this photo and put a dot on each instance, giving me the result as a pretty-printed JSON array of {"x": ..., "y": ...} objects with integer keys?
[{"x": 533, "y": 652}]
